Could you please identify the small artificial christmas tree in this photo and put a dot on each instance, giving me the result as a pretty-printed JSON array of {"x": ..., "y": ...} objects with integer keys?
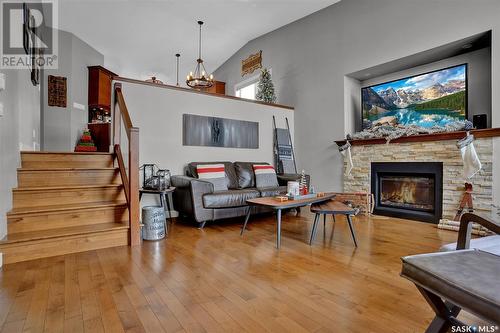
[
  {"x": 265, "y": 88},
  {"x": 86, "y": 143}
]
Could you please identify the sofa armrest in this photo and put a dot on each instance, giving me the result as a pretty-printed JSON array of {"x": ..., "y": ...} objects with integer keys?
[
  {"x": 198, "y": 189},
  {"x": 465, "y": 229},
  {"x": 179, "y": 181},
  {"x": 188, "y": 197}
]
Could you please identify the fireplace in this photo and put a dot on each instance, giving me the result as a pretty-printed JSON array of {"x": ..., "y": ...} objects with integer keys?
[{"x": 411, "y": 190}]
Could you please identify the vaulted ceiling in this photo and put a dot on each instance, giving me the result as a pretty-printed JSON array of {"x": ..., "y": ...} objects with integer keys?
[{"x": 139, "y": 38}]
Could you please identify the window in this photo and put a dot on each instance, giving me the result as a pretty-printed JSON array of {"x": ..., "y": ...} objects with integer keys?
[
  {"x": 248, "y": 88},
  {"x": 247, "y": 91}
]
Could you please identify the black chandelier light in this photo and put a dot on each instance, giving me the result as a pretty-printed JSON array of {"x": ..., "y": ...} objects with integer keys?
[{"x": 199, "y": 79}]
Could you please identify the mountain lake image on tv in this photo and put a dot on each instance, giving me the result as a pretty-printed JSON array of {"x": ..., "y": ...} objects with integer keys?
[{"x": 431, "y": 99}]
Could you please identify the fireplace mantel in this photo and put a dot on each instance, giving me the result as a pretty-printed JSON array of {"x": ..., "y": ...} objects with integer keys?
[{"x": 482, "y": 133}]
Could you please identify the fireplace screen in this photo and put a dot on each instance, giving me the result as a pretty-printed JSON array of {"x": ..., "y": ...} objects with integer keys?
[{"x": 407, "y": 192}]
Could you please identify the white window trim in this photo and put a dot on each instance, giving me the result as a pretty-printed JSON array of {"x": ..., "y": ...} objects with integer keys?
[{"x": 249, "y": 81}]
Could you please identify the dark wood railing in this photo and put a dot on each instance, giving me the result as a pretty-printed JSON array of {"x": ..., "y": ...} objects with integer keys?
[{"x": 131, "y": 179}]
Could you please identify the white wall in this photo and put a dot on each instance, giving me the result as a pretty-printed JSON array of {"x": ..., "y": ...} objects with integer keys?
[
  {"x": 21, "y": 101},
  {"x": 158, "y": 114},
  {"x": 310, "y": 58}
]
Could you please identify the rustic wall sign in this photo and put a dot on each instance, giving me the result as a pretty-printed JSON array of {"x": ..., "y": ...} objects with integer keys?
[
  {"x": 219, "y": 132},
  {"x": 250, "y": 64},
  {"x": 57, "y": 91}
]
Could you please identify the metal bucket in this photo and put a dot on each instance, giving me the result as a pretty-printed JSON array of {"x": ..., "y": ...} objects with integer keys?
[{"x": 153, "y": 218}]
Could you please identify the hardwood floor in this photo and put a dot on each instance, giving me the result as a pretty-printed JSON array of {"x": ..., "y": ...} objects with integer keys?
[{"x": 213, "y": 280}]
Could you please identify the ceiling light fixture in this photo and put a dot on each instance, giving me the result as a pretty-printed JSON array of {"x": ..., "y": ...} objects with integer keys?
[{"x": 199, "y": 79}]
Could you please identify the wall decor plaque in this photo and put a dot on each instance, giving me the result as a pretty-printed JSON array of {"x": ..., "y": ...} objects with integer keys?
[
  {"x": 57, "y": 91},
  {"x": 250, "y": 64},
  {"x": 219, "y": 132}
]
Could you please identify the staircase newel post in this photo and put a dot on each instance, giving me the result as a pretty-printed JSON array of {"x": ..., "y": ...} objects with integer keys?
[{"x": 134, "y": 206}]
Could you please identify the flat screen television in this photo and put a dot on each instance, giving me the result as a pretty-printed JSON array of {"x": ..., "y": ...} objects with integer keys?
[{"x": 434, "y": 98}]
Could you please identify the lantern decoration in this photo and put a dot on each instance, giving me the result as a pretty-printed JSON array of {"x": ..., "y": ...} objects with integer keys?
[
  {"x": 163, "y": 176},
  {"x": 155, "y": 178}
]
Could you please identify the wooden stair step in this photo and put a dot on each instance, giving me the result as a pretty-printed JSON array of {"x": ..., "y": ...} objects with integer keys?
[
  {"x": 43, "y": 196},
  {"x": 60, "y": 232},
  {"x": 63, "y": 207},
  {"x": 31, "y": 159},
  {"x": 41, "y": 244},
  {"x": 52, "y": 217},
  {"x": 50, "y": 177}
]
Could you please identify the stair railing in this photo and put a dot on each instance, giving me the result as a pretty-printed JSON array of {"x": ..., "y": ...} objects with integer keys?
[{"x": 131, "y": 179}]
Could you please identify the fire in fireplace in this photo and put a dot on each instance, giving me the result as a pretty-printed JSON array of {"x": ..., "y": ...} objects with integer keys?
[{"x": 408, "y": 190}]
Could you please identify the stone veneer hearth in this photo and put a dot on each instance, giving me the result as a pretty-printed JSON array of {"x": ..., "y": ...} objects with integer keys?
[{"x": 434, "y": 151}]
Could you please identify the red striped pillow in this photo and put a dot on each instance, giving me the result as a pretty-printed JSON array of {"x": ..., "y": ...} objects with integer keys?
[
  {"x": 265, "y": 175},
  {"x": 213, "y": 173}
]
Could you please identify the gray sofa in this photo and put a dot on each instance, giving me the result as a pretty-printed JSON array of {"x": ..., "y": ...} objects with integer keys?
[{"x": 196, "y": 199}]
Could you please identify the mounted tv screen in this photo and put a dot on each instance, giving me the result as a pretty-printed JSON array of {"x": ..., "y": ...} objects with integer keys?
[{"x": 431, "y": 99}]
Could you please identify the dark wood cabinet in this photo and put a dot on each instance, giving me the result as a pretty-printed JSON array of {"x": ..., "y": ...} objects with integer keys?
[
  {"x": 219, "y": 87},
  {"x": 100, "y": 80},
  {"x": 101, "y": 134}
]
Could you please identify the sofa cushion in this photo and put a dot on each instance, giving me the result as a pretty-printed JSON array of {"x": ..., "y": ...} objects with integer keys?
[
  {"x": 231, "y": 178},
  {"x": 213, "y": 173},
  {"x": 489, "y": 244},
  {"x": 229, "y": 198},
  {"x": 272, "y": 191},
  {"x": 245, "y": 174},
  {"x": 265, "y": 175}
]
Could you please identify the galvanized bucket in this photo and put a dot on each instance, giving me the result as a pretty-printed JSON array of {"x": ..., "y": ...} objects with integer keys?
[{"x": 153, "y": 218}]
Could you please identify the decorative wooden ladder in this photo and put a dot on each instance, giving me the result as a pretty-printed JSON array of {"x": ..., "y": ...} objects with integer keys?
[{"x": 74, "y": 202}]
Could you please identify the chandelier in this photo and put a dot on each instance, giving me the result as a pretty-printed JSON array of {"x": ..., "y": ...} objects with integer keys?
[{"x": 199, "y": 79}]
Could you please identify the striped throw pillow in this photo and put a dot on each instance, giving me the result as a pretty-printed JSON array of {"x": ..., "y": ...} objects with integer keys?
[
  {"x": 265, "y": 175},
  {"x": 213, "y": 173}
]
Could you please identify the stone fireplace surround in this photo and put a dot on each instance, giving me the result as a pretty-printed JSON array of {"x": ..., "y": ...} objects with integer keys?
[{"x": 430, "y": 151}]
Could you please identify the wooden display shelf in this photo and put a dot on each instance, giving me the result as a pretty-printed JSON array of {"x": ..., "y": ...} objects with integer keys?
[{"x": 480, "y": 133}]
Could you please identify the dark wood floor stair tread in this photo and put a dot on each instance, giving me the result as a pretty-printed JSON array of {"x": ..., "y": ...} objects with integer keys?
[
  {"x": 65, "y": 203},
  {"x": 70, "y": 207},
  {"x": 62, "y": 232}
]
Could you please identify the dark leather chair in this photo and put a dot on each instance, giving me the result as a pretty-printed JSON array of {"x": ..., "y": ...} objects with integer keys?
[
  {"x": 196, "y": 198},
  {"x": 464, "y": 275},
  {"x": 488, "y": 244}
]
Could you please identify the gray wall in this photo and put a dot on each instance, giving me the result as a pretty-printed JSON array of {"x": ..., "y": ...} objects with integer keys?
[
  {"x": 19, "y": 129},
  {"x": 62, "y": 127},
  {"x": 311, "y": 57}
]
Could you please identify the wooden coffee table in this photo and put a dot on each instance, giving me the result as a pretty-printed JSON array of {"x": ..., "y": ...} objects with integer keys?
[{"x": 278, "y": 206}]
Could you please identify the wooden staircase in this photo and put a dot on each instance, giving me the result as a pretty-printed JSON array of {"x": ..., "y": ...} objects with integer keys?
[{"x": 65, "y": 203}]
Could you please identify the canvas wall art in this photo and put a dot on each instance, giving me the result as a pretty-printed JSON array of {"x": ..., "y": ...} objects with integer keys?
[
  {"x": 431, "y": 99},
  {"x": 219, "y": 132}
]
